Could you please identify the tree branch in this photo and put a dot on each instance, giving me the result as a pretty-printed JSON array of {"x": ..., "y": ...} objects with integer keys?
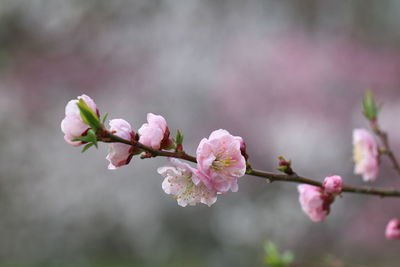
[
  {"x": 107, "y": 137},
  {"x": 383, "y": 136}
]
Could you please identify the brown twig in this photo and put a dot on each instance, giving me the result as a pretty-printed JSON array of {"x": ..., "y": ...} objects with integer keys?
[
  {"x": 269, "y": 176},
  {"x": 385, "y": 150}
]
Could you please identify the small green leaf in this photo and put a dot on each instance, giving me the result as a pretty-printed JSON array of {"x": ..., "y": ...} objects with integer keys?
[
  {"x": 248, "y": 167},
  {"x": 287, "y": 257},
  {"x": 283, "y": 168},
  {"x": 86, "y": 147},
  {"x": 88, "y": 115},
  {"x": 274, "y": 258},
  {"x": 77, "y": 138},
  {"x": 105, "y": 117},
  {"x": 179, "y": 138},
  {"x": 92, "y": 137},
  {"x": 84, "y": 139},
  {"x": 370, "y": 108}
]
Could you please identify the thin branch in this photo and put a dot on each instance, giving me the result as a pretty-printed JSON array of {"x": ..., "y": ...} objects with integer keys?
[
  {"x": 386, "y": 150},
  {"x": 303, "y": 180},
  {"x": 271, "y": 177}
]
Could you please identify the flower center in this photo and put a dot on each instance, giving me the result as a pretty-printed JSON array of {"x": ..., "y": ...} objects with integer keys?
[
  {"x": 358, "y": 154},
  {"x": 188, "y": 186},
  {"x": 221, "y": 163}
]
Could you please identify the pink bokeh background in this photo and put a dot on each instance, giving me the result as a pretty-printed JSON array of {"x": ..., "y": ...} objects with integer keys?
[{"x": 287, "y": 77}]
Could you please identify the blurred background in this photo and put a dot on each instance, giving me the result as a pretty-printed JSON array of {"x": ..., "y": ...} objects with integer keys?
[{"x": 287, "y": 76}]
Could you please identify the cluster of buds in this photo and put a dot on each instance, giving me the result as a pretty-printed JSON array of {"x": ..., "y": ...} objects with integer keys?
[
  {"x": 366, "y": 154},
  {"x": 219, "y": 165},
  {"x": 316, "y": 201},
  {"x": 221, "y": 158},
  {"x": 285, "y": 166}
]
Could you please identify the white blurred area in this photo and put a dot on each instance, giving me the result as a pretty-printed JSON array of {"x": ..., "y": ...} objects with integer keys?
[{"x": 287, "y": 76}]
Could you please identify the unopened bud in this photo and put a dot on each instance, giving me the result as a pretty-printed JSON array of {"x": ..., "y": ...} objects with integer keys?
[
  {"x": 285, "y": 165},
  {"x": 243, "y": 150}
]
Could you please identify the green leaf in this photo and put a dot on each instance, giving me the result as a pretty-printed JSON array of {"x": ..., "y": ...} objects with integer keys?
[
  {"x": 88, "y": 115},
  {"x": 86, "y": 147},
  {"x": 91, "y": 135},
  {"x": 274, "y": 258},
  {"x": 105, "y": 118},
  {"x": 77, "y": 139},
  {"x": 283, "y": 168},
  {"x": 90, "y": 138},
  {"x": 370, "y": 108},
  {"x": 179, "y": 138},
  {"x": 287, "y": 257}
]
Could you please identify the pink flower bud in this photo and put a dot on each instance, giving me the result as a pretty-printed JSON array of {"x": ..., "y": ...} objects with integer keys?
[
  {"x": 314, "y": 202},
  {"x": 333, "y": 184},
  {"x": 285, "y": 165},
  {"x": 182, "y": 182},
  {"x": 72, "y": 125},
  {"x": 120, "y": 154},
  {"x": 242, "y": 147},
  {"x": 365, "y": 155},
  {"x": 220, "y": 161},
  {"x": 154, "y": 133},
  {"x": 393, "y": 230}
]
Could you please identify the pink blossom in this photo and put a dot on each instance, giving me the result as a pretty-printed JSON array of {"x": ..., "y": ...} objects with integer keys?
[
  {"x": 220, "y": 161},
  {"x": 155, "y": 132},
  {"x": 365, "y": 155},
  {"x": 393, "y": 229},
  {"x": 182, "y": 182},
  {"x": 314, "y": 202},
  {"x": 72, "y": 125},
  {"x": 333, "y": 184},
  {"x": 120, "y": 154}
]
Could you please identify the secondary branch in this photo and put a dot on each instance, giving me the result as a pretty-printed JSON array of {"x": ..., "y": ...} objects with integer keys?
[{"x": 271, "y": 177}]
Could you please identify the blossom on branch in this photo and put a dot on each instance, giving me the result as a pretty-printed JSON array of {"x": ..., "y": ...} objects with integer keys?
[
  {"x": 220, "y": 161},
  {"x": 365, "y": 155},
  {"x": 333, "y": 184},
  {"x": 182, "y": 182},
  {"x": 120, "y": 154},
  {"x": 393, "y": 229},
  {"x": 314, "y": 202},
  {"x": 155, "y": 132},
  {"x": 72, "y": 125}
]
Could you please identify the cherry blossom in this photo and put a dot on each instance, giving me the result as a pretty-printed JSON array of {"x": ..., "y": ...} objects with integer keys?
[
  {"x": 72, "y": 125},
  {"x": 155, "y": 132},
  {"x": 314, "y": 202},
  {"x": 393, "y": 229},
  {"x": 220, "y": 161},
  {"x": 120, "y": 154},
  {"x": 365, "y": 155},
  {"x": 333, "y": 184},
  {"x": 182, "y": 182}
]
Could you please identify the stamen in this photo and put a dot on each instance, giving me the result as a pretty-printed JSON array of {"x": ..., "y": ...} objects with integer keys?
[
  {"x": 357, "y": 154},
  {"x": 221, "y": 163}
]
